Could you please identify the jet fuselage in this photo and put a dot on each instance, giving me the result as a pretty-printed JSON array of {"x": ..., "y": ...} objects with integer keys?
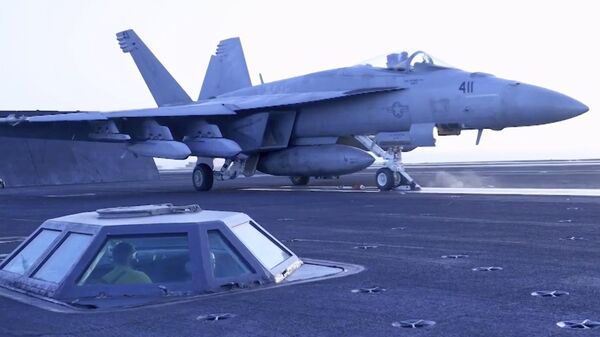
[{"x": 428, "y": 94}]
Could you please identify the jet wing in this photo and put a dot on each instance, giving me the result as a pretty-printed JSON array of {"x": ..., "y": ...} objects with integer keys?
[
  {"x": 210, "y": 109},
  {"x": 266, "y": 101},
  {"x": 219, "y": 106}
]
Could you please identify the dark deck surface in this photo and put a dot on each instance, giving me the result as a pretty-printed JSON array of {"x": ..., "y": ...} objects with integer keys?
[{"x": 525, "y": 235}]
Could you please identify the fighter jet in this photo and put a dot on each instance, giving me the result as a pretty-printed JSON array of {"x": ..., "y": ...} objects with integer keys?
[{"x": 319, "y": 125}]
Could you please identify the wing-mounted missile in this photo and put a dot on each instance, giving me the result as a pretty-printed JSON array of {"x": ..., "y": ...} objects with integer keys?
[
  {"x": 151, "y": 139},
  {"x": 168, "y": 149},
  {"x": 206, "y": 140}
]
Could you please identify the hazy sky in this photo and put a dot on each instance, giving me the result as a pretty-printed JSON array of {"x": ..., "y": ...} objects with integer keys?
[{"x": 63, "y": 55}]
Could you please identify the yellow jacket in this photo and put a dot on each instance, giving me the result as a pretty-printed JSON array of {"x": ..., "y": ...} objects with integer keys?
[{"x": 125, "y": 275}]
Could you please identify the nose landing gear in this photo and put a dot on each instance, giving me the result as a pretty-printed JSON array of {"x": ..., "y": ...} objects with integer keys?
[{"x": 393, "y": 174}]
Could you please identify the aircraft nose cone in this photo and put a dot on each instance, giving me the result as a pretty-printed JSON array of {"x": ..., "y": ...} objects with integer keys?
[
  {"x": 531, "y": 105},
  {"x": 561, "y": 106},
  {"x": 577, "y": 108}
]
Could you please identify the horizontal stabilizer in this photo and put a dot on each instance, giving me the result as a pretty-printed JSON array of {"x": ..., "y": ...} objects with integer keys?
[
  {"x": 163, "y": 87},
  {"x": 227, "y": 70}
]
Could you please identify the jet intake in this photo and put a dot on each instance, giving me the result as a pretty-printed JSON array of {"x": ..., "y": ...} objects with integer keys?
[
  {"x": 315, "y": 160},
  {"x": 419, "y": 135},
  {"x": 449, "y": 129}
]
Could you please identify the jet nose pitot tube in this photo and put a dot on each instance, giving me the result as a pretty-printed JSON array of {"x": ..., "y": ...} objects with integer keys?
[{"x": 530, "y": 105}]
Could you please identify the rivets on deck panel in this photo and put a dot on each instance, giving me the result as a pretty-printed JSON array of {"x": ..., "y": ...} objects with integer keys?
[
  {"x": 456, "y": 256},
  {"x": 370, "y": 290},
  {"x": 215, "y": 317},
  {"x": 486, "y": 269},
  {"x": 549, "y": 293},
  {"x": 413, "y": 324},
  {"x": 586, "y": 324},
  {"x": 365, "y": 247}
]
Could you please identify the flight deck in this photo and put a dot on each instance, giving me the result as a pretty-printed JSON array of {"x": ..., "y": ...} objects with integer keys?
[{"x": 455, "y": 259}]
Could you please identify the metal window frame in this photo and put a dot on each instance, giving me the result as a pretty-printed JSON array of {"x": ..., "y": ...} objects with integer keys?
[
  {"x": 40, "y": 287},
  {"x": 258, "y": 273},
  {"x": 25, "y": 243},
  {"x": 56, "y": 246},
  {"x": 282, "y": 266},
  {"x": 71, "y": 290}
]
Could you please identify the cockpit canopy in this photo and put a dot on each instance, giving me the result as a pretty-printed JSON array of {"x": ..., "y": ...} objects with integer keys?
[{"x": 405, "y": 61}]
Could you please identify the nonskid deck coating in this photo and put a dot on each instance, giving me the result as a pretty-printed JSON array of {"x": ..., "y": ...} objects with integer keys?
[{"x": 409, "y": 233}]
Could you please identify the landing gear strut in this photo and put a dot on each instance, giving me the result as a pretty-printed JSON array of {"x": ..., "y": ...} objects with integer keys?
[
  {"x": 299, "y": 180},
  {"x": 393, "y": 174}
]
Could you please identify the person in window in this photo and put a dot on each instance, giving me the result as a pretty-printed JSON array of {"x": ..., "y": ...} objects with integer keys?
[{"x": 123, "y": 272}]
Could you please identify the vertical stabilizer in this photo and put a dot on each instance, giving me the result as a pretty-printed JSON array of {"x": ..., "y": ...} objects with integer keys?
[
  {"x": 164, "y": 88},
  {"x": 227, "y": 70}
]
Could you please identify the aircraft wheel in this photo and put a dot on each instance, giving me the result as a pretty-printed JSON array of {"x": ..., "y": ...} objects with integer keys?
[
  {"x": 299, "y": 180},
  {"x": 384, "y": 178},
  {"x": 203, "y": 177}
]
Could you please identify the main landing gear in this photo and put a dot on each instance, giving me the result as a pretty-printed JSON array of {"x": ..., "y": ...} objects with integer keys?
[
  {"x": 203, "y": 176},
  {"x": 393, "y": 174}
]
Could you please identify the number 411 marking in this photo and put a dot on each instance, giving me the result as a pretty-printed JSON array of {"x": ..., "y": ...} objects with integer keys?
[{"x": 466, "y": 87}]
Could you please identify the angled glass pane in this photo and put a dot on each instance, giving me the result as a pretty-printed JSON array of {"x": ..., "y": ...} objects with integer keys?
[
  {"x": 141, "y": 259},
  {"x": 21, "y": 262},
  {"x": 224, "y": 259},
  {"x": 64, "y": 257},
  {"x": 266, "y": 251}
]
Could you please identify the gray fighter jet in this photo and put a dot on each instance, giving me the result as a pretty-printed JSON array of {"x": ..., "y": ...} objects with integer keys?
[{"x": 317, "y": 125}]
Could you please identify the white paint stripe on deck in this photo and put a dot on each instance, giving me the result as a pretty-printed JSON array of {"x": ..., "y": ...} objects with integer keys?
[
  {"x": 12, "y": 239},
  {"x": 70, "y": 195},
  {"x": 440, "y": 190},
  {"x": 317, "y": 189},
  {"x": 514, "y": 191}
]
